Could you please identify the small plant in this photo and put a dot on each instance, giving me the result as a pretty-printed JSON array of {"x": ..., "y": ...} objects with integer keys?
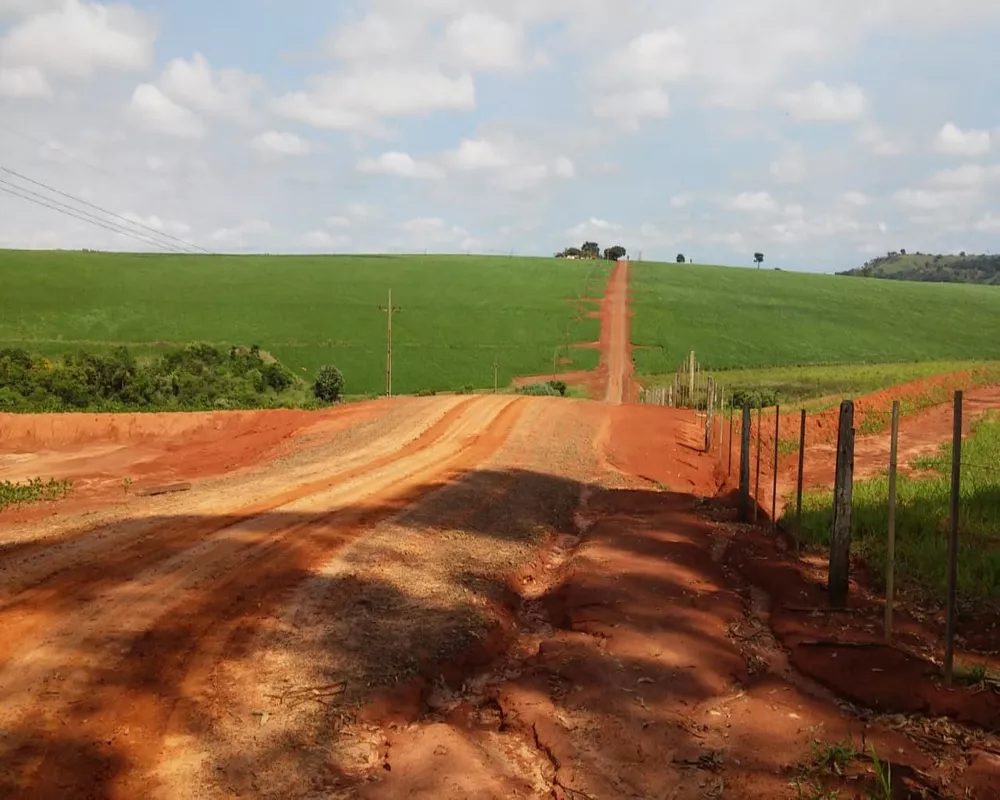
[
  {"x": 34, "y": 491},
  {"x": 329, "y": 385},
  {"x": 126, "y": 484},
  {"x": 883, "y": 777},
  {"x": 973, "y": 674},
  {"x": 834, "y": 757}
]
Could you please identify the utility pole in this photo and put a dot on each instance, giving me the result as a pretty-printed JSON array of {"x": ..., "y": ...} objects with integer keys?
[
  {"x": 496, "y": 375},
  {"x": 389, "y": 310}
]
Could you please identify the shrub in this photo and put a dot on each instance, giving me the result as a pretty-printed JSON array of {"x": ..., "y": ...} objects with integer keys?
[
  {"x": 559, "y": 386},
  {"x": 539, "y": 390},
  {"x": 329, "y": 384},
  {"x": 757, "y": 398}
]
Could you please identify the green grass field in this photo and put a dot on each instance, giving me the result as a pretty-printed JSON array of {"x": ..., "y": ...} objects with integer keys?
[
  {"x": 819, "y": 387},
  {"x": 923, "y": 511},
  {"x": 743, "y": 318},
  {"x": 458, "y": 313}
]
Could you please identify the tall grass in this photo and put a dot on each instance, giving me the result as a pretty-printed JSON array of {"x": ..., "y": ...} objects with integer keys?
[{"x": 922, "y": 519}]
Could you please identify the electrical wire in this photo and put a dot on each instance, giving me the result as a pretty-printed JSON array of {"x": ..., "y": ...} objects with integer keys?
[
  {"x": 91, "y": 219},
  {"x": 178, "y": 240}
]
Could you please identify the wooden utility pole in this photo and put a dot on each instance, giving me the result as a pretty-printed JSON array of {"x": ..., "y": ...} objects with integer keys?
[
  {"x": 389, "y": 310},
  {"x": 843, "y": 491}
]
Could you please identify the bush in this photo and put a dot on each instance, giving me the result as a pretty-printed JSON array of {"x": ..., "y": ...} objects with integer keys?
[
  {"x": 559, "y": 386},
  {"x": 329, "y": 384},
  {"x": 757, "y": 398},
  {"x": 539, "y": 390}
]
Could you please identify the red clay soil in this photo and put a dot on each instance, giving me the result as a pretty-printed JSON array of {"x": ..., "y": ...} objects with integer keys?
[
  {"x": 97, "y": 452},
  {"x": 644, "y": 669}
]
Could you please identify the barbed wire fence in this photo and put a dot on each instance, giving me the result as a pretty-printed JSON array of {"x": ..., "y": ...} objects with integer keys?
[{"x": 758, "y": 449}]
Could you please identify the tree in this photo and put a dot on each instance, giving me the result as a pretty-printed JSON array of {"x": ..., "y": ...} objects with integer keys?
[
  {"x": 758, "y": 259},
  {"x": 329, "y": 384},
  {"x": 591, "y": 250},
  {"x": 615, "y": 253},
  {"x": 681, "y": 259},
  {"x": 902, "y": 251}
]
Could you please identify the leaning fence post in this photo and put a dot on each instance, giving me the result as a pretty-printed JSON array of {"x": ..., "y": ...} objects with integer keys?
[
  {"x": 774, "y": 488},
  {"x": 890, "y": 559},
  {"x": 840, "y": 538},
  {"x": 798, "y": 488},
  {"x": 756, "y": 484},
  {"x": 956, "y": 489},
  {"x": 745, "y": 465}
]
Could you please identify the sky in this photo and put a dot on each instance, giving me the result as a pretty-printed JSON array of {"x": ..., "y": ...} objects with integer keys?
[{"x": 819, "y": 133}]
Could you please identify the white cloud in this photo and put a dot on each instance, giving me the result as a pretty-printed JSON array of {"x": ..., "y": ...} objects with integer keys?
[
  {"x": 360, "y": 100},
  {"x": 433, "y": 232},
  {"x": 564, "y": 167},
  {"x": 321, "y": 240},
  {"x": 338, "y": 222},
  {"x": 241, "y": 236},
  {"x": 681, "y": 200},
  {"x": 752, "y": 201},
  {"x": 930, "y": 199},
  {"x": 952, "y": 140},
  {"x": 988, "y": 224},
  {"x": 630, "y": 106},
  {"x": 790, "y": 166},
  {"x": 522, "y": 177},
  {"x": 483, "y": 42},
  {"x": 968, "y": 176},
  {"x": 173, "y": 227},
  {"x": 477, "y": 154},
  {"x": 650, "y": 59},
  {"x": 79, "y": 38},
  {"x": 593, "y": 228},
  {"x": 400, "y": 165},
  {"x": 281, "y": 144},
  {"x": 154, "y": 111},
  {"x": 859, "y": 199},
  {"x": 822, "y": 103},
  {"x": 23, "y": 82},
  {"x": 227, "y": 92},
  {"x": 877, "y": 141}
]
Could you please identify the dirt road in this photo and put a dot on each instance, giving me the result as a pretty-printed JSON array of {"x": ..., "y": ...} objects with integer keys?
[
  {"x": 617, "y": 349},
  {"x": 447, "y": 598}
]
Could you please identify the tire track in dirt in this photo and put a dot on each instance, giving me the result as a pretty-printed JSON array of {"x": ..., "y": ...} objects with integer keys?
[{"x": 117, "y": 663}]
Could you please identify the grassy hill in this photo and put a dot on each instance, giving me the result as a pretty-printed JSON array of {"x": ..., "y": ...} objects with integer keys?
[
  {"x": 457, "y": 313},
  {"x": 962, "y": 268},
  {"x": 743, "y": 318}
]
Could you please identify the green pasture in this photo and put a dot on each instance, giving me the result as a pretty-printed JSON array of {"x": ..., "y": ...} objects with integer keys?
[
  {"x": 457, "y": 314},
  {"x": 744, "y": 318}
]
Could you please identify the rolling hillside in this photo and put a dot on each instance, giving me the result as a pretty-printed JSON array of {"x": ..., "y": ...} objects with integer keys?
[{"x": 982, "y": 269}]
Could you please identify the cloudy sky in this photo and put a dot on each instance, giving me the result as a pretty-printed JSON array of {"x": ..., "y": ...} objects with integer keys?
[{"x": 819, "y": 132}]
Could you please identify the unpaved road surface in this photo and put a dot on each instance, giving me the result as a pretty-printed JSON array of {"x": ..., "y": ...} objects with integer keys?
[{"x": 449, "y": 597}]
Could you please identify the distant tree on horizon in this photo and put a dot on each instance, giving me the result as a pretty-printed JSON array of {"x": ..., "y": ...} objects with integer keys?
[
  {"x": 681, "y": 259},
  {"x": 758, "y": 259}
]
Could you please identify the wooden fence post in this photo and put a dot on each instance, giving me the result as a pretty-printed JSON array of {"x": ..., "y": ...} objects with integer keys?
[
  {"x": 798, "y": 488},
  {"x": 691, "y": 392},
  {"x": 774, "y": 488},
  {"x": 840, "y": 538},
  {"x": 756, "y": 483},
  {"x": 722, "y": 421},
  {"x": 731, "y": 413},
  {"x": 956, "y": 491},
  {"x": 708, "y": 417},
  {"x": 744, "y": 465},
  {"x": 890, "y": 559}
]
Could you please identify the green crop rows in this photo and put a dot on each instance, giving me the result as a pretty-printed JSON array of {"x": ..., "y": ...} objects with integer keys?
[
  {"x": 744, "y": 318},
  {"x": 457, "y": 314}
]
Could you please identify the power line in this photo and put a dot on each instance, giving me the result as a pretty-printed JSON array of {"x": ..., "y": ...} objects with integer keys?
[
  {"x": 87, "y": 216},
  {"x": 92, "y": 220},
  {"x": 104, "y": 210}
]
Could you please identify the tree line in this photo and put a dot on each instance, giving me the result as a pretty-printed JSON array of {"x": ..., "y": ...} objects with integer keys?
[
  {"x": 963, "y": 268},
  {"x": 592, "y": 250}
]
